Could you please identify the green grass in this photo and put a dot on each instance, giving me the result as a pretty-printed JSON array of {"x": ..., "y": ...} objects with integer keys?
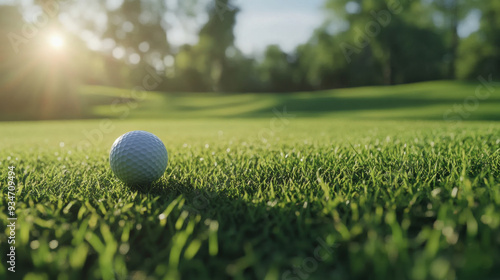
[
  {"x": 388, "y": 192},
  {"x": 424, "y": 101}
]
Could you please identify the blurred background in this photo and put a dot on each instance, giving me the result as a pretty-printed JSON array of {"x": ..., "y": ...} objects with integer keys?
[{"x": 64, "y": 59}]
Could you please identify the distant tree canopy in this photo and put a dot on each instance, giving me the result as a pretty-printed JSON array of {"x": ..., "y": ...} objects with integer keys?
[{"x": 360, "y": 43}]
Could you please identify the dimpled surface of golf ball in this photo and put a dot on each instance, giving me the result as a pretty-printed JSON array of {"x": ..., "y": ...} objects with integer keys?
[{"x": 138, "y": 158}]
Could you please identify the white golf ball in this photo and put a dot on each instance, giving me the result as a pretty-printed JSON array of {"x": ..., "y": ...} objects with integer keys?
[{"x": 138, "y": 158}]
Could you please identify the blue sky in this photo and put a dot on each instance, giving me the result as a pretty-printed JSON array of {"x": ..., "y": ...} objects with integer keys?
[
  {"x": 260, "y": 23},
  {"x": 291, "y": 22},
  {"x": 284, "y": 22}
]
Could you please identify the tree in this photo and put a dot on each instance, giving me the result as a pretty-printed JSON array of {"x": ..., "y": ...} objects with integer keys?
[
  {"x": 452, "y": 13},
  {"x": 324, "y": 65},
  {"x": 388, "y": 35},
  {"x": 275, "y": 70},
  {"x": 479, "y": 53},
  {"x": 215, "y": 39}
]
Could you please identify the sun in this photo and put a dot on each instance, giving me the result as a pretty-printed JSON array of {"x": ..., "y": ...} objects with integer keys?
[{"x": 56, "y": 41}]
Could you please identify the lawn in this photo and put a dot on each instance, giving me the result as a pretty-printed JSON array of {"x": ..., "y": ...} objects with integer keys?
[{"x": 368, "y": 183}]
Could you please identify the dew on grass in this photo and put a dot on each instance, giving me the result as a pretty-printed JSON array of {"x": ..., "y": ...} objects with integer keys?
[
  {"x": 435, "y": 192},
  {"x": 272, "y": 203},
  {"x": 349, "y": 174}
]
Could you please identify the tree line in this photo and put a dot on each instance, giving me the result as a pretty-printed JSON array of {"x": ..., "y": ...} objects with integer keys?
[{"x": 375, "y": 42}]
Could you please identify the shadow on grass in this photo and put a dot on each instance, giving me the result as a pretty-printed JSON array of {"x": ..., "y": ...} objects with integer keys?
[
  {"x": 261, "y": 233},
  {"x": 318, "y": 104},
  {"x": 321, "y": 105},
  {"x": 186, "y": 105}
]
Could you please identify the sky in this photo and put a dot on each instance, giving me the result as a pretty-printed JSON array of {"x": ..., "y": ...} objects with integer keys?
[
  {"x": 284, "y": 22},
  {"x": 289, "y": 23},
  {"x": 260, "y": 23}
]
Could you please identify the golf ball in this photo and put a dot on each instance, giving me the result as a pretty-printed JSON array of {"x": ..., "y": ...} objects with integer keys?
[{"x": 138, "y": 158}]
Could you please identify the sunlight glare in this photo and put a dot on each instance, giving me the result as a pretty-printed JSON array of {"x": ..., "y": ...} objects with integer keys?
[{"x": 56, "y": 41}]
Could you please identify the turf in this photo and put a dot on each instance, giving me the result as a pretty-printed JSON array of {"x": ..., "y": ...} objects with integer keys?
[
  {"x": 312, "y": 195},
  {"x": 438, "y": 100}
]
